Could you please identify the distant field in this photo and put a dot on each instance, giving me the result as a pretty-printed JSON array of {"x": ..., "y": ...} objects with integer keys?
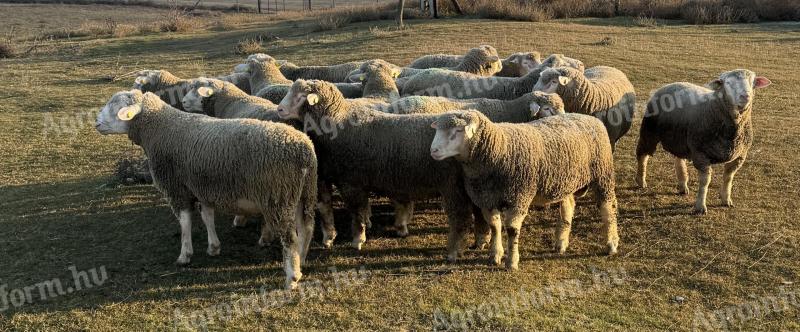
[{"x": 59, "y": 210}]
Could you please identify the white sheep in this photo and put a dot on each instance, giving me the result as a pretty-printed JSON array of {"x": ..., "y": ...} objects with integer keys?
[
  {"x": 241, "y": 166},
  {"x": 707, "y": 125},
  {"x": 508, "y": 167}
]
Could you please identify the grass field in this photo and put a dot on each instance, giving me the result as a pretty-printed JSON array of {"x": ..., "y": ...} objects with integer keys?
[{"x": 59, "y": 210}]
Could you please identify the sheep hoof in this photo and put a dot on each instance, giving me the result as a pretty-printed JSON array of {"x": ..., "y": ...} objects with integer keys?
[
  {"x": 328, "y": 243},
  {"x": 683, "y": 191},
  {"x": 512, "y": 266},
  {"x": 612, "y": 249},
  {"x": 356, "y": 244},
  {"x": 213, "y": 250},
  {"x": 183, "y": 260},
  {"x": 699, "y": 210},
  {"x": 402, "y": 232},
  {"x": 291, "y": 285},
  {"x": 496, "y": 259},
  {"x": 641, "y": 183},
  {"x": 478, "y": 246},
  {"x": 261, "y": 242},
  {"x": 727, "y": 203}
]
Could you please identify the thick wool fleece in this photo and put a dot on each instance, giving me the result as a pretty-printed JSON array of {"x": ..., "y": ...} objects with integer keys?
[
  {"x": 387, "y": 154},
  {"x": 437, "y": 82},
  {"x": 513, "y": 111},
  {"x": 334, "y": 73},
  {"x": 701, "y": 130},
  {"x": 167, "y": 86},
  {"x": 509, "y": 166},
  {"x": 604, "y": 92},
  {"x": 447, "y": 60},
  {"x": 228, "y": 102},
  {"x": 264, "y": 72}
]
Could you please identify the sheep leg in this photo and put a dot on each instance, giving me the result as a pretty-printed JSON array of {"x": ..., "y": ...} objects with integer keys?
[
  {"x": 185, "y": 219},
  {"x": 291, "y": 250},
  {"x": 459, "y": 220},
  {"x": 683, "y": 176},
  {"x": 608, "y": 213},
  {"x": 644, "y": 149},
  {"x": 727, "y": 181},
  {"x": 358, "y": 203},
  {"x": 403, "y": 212},
  {"x": 207, "y": 213},
  {"x": 305, "y": 230},
  {"x": 482, "y": 232},
  {"x": 325, "y": 207},
  {"x": 267, "y": 236},
  {"x": 513, "y": 224},
  {"x": 496, "y": 245},
  {"x": 564, "y": 226},
  {"x": 704, "y": 179},
  {"x": 239, "y": 221}
]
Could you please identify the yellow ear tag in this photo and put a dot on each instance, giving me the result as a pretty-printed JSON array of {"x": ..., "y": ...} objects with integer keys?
[
  {"x": 563, "y": 80},
  {"x": 395, "y": 74},
  {"x": 313, "y": 99},
  {"x": 205, "y": 91},
  {"x": 127, "y": 113},
  {"x": 361, "y": 77}
]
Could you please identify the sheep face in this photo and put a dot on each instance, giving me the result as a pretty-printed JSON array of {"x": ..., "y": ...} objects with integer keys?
[
  {"x": 454, "y": 131},
  {"x": 194, "y": 98},
  {"x": 550, "y": 80},
  {"x": 121, "y": 108},
  {"x": 737, "y": 87},
  {"x": 299, "y": 95},
  {"x": 147, "y": 80},
  {"x": 525, "y": 62},
  {"x": 545, "y": 104},
  {"x": 359, "y": 75}
]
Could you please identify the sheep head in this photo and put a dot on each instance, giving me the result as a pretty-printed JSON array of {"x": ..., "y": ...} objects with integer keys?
[
  {"x": 545, "y": 104},
  {"x": 523, "y": 62},
  {"x": 359, "y": 75},
  {"x": 551, "y": 79},
  {"x": 737, "y": 88},
  {"x": 148, "y": 80},
  {"x": 455, "y": 132},
  {"x": 123, "y": 107},
  {"x": 559, "y": 60},
  {"x": 312, "y": 97},
  {"x": 201, "y": 90},
  {"x": 483, "y": 60}
]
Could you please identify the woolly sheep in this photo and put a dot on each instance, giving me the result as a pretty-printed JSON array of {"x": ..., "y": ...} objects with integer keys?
[
  {"x": 520, "y": 64},
  {"x": 224, "y": 100},
  {"x": 240, "y": 80},
  {"x": 707, "y": 125},
  {"x": 435, "y": 82},
  {"x": 262, "y": 71},
  {"x": 530, "y": 106},
  {"x": 334, "y": 73},
  {"x": 445, "y": 60},
  {"x": 164, "y": 84},
  {"x": 245, "y": 166},
  {"x": 477, "y": 61},
  {"x": 372, "y": 151},
  {"x": 508, "y": 167},
  {"x": 604, "y": 92}
]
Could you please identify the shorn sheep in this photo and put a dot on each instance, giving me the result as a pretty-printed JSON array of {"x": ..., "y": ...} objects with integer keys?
[
  {"x": 604, "y": 92},
  {"x": 372, "y": 151},
  {"x": 242, "y": 166},
  {"x": 529, "y": 107},
  {"x": 435, "y": 82},
  {"x": 707, "y": 125},
  {"x": 508, "y": 167}
]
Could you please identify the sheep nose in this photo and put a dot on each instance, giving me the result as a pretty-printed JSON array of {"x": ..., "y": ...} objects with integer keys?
[
  {"x": 434, "y": 150},
  {"x": 744, "y": 99}
]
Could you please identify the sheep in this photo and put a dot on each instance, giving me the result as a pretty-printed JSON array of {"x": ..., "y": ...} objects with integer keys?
[
  {"x": 445, "y": 60},
  {"x": 508, "y": 167},
  {"x": 530, "y": 106},
  {"x": 164, "y": 84},
  {"x": 334, "y": 73},
  {"x": 262, "y": 71},
  {"x": 365, "y": 150},
  {"x": 240, "y": 80},
  {"x": 519, "y": 64},
  {"x": 478, "y": 61},
  {"x": 243, "y": 166},
  {"x": 224, "y": 100},
  {"x": 378, "y": 81},
  {"x": 604, "y": 92},
  {"x": 707, "y": 125},
  {"x": 436, "y": 82}
]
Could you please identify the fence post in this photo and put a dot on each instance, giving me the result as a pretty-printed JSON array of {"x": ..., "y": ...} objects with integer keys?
[
  {"x": 432, "y": 4},
  {"x": 617, "y": 7}
]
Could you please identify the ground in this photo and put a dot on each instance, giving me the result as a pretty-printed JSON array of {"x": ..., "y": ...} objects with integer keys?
[{"x": 674, "y": 269}]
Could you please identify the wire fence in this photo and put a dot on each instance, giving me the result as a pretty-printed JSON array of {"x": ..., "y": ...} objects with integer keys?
[{"x": 285, "y": 5}]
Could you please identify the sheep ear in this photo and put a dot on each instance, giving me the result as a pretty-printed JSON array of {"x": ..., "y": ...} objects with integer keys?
[
  {"x": 241, "y": 68},
  {"x": 434, "y": 126},
  {"x": 535, "y": 108},
  {"x": 127, "y": 113},
  {"x": 469, "y": 130},
  {"x": 205, "y": 91},
  {"x": 313, "y": 99},
  {"x": 141, "y": 80},
  {"x": 563, "y": 80},
  {"x": 715, "y": 84},
  {"x": 761, "y": 82}
]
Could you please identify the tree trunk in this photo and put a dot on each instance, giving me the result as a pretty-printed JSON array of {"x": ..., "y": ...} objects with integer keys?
[
  {"x": 259, "y": 6},
  {"x": 400, "y": 5},
  {"x": 616, "y": 7}
]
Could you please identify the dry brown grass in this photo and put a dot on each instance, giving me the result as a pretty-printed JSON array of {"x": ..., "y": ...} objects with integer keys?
[{"x": 249, "y": 46}]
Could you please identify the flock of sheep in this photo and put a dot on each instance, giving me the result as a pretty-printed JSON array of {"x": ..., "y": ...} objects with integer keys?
[{"x": 489, "y": 136}]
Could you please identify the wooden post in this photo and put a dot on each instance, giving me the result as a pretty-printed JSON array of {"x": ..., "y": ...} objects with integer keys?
[
  {"x": 400, "y": 5},
  {"x": 616, "y": 7},
  {"x": 259, "y": 6},
  {"x": 432, "y": 4}
]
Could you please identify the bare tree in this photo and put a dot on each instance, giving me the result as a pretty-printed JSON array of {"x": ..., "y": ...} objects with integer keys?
[{"x": 400, "y": 5}]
